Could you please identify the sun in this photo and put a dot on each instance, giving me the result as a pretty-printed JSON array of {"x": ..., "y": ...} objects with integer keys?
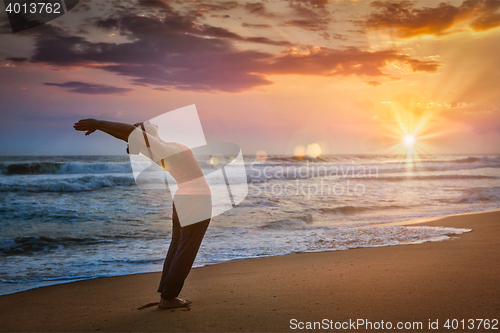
[
  {"x": 409, "y": 140},
  {"x": 409, "y": 129}
]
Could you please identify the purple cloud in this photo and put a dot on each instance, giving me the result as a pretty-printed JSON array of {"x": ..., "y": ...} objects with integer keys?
[
  {"x": 88, "y": 88},
  {"x": 17, "y": 59}
]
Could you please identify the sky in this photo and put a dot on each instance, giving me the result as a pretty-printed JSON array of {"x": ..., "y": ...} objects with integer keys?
[{"x": 281, "y": 77}]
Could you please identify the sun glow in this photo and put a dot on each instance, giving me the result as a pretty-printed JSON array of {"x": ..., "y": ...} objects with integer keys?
[
  {"x": 410, "y": 132},
  {"x": 409, "y": 140}
]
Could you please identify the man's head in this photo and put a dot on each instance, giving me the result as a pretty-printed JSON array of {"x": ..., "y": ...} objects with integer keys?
[{"x": 149, "y": 128}]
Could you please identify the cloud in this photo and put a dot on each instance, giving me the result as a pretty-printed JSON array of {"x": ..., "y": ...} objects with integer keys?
[
  {"x": 17, "y": 59},
  {"x": 486, "y": 22},
  {"x": 339, "y": 37},
  {"x": 407, "y": 21},
  {"x": 137, "y": 26},
  {"x": 88, "y": 88},
  {"x": 224, "y": 33},
  {"x": 163, "y": 5},
  {"x": 313, "y": 3},
  {"x": 374, "y": 83},
  {"x": 422, "y": 66},
  {"x": 311, "y": 15},
  {"x": 352, "y": 61},
  {"x": 310, "y": 9},
  {"x": 179, "y": 60},
  {"x": 327, "y": 36},
  {"x": 222, "y": 71},
  {"x": 309, "y": 24},
  {"x": 218, "y": 7},
  {"x": 258, "y": 9},
  {"x": 176, "y": 52},
  {"x": 258, "y": 26}
]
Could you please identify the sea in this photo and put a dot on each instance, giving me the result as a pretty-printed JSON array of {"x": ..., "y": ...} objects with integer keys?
[{"x": 70, "y": 218}]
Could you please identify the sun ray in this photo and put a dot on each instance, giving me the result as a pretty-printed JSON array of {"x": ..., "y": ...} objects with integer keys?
[{"x": 409, "y": 130}]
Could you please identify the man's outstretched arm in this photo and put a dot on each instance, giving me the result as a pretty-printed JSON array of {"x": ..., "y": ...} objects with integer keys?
[
  {"x": 118, "y": 130},
  {"x": 156, "y": 150}
]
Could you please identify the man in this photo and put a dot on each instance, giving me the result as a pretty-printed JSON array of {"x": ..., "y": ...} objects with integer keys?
[{"x": 192, "y": 201}]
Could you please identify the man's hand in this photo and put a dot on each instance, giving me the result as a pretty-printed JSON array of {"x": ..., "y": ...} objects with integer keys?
[
  {"x": 118, "y": 130},
  {"x": 89, "y": 125}
]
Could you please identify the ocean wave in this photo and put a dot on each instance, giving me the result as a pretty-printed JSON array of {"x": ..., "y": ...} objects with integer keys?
[
  {"x": 288, "y": 224},
  {"x": 295, "y": 159},
  {"x": 307, "y": 215},
  {"x": 37, "y": 168},
  {"x": 265, "y": 202},
  {"x": 471, "y": 159},
  {"x": 261, "y": 174},
  {"x": 26, "y": 245},
  {"x": 345, "y": 210},
  {"x": 32, "y": 244},
  {"x": 478, "y": 195},
  {"x": 77, "y": 184},
  {"x": 382, "y": 159},
  {"x": 350, "y": 210},
  {"x": 458, "y": 160},
  {"x": 479, "y": 199},
  {"x": 428, "y": 177},
  {"x": 275, "y": 165},
  {"x": 348, "y": 238},
  {"x": 96, "y": 182}
]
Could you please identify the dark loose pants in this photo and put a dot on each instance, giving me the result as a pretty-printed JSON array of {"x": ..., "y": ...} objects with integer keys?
[{"x": 180, "y": 256}]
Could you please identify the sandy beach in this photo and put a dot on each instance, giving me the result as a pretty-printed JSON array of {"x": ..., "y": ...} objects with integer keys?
[{"x": 435, "y": 281}]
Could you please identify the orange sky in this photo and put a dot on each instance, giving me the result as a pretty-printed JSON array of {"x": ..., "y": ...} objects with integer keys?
[{"x": 350, "y": 76}]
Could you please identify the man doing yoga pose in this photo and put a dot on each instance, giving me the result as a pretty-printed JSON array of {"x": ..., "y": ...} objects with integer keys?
[{"x": 192, "y": 200}]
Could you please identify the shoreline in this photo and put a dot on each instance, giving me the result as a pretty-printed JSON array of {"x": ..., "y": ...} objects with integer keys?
[
  {"x": 424, "y": 220},
  {"x": 378, "y": 225},
  {"x": 455, "y": 279}
]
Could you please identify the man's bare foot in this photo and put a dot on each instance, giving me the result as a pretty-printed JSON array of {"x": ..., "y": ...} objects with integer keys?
[{"x": 173, "y": 303}]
